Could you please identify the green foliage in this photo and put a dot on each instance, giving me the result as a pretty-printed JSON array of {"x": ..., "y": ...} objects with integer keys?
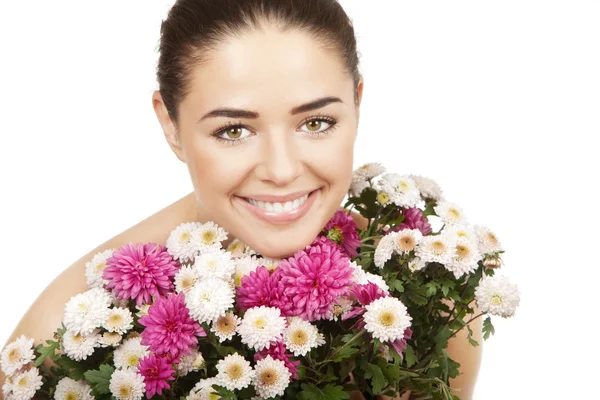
[
  {"x": 488, "y": 328},
  {"x": 328, "y": 392},
  {"x": 99, "y": 379}
]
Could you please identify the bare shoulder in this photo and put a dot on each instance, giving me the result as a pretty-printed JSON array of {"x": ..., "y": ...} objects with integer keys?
[{"x": 44, "y": 316}]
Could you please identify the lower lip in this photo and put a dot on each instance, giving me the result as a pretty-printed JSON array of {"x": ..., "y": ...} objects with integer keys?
[{"x": 283, "y": 217}]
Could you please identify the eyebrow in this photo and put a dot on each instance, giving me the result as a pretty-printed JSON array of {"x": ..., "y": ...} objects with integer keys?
[{"x": 239, "y": 113}]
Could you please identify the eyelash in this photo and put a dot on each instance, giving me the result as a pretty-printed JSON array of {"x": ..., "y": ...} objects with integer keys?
[{"x": 229, "y": 125}]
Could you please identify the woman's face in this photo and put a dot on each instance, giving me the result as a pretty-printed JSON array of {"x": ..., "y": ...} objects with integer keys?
[{"x": 267, "y": 133}]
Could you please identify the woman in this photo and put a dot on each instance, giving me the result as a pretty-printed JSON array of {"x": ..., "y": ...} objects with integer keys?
[{"x": 261, "y": 101}]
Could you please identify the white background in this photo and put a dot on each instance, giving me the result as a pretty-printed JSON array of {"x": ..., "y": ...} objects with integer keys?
[{"x": 497, "y": 101}]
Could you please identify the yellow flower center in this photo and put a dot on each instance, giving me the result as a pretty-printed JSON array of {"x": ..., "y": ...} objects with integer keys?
[
  {"x": 268, "y": 377},
  {"x": 185, "y": 237},
  {"x": 454, "y": 212},
  {"x": 234, "y": 371},
  {"x": 225, "y": 324},
  {"x": 403, "y": 186},
  {"x": 383, "y": 197},
  {"x": 462, "y": 251},
  {"x": 387, "y": 318},
  {"x": 100, "y": 266},
  {"x": 438, "y": 247},
  {"x": 115, "y": 319},
  {"x": 492, "y": 238},
  {"x": 71, "y": 396},
  {"x": 209, "y": 237},
  {"x": 406, "y": 243},
  {"x": 260, "y": 323},
  {"x": 299, "y": 337},
  {"x": 496, "y": 300},
  {"x": 133, "y": 361},
  {"x": 125, "y": 391},
  {"x": 187, "y": 282},
  {"x": 14, "y": 355}
]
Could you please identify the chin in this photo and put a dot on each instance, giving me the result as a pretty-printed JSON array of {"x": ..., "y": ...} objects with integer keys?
[{"x": 283, "y": 246}]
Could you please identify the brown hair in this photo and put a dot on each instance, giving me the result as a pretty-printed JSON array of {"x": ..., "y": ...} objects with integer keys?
[{"x": 194, "y": 27}]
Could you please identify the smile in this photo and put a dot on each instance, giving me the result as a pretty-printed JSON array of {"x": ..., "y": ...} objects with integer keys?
[{"x": 280, "y": 209}]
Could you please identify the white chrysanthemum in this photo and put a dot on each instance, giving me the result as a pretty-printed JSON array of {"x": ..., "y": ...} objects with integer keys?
[
  {"x": 225, "y": 326},
  {"x": 301, "y": 336},
  {"x": 461, "y": 231},
  {"x": 369, "y": 170},
  {"x": 203, "y": 390},
  {"x": 357, "y": 186},
  {"x": 243, "y": 267},
  {"x": 185, "y": 279},
  {"x": 407, "y": 240},
  {"x": 209, "y": 299},
  {"x": 385, "y": 249},
  {"x": 110, "y": 339},
  {"x": 401, "y": 190},
  {"x": 87, "y": 311},
  {"x": 129, "y": 353},
  {"x": 358, "y": 273},
  {"x": 261, "y": 326},
  {"x": 215, "y": 264},
  {"x": 271, "y": 377},
  {"x": 16, "y": 355},
  {"x": 234, "y": 372},
  {"x": 270, "y": 263},
  {"x": 497, "y": 295},
  {"x": 466, "y": 258},
  {"x": 143, "y": 309},
  {"x": 186, "y": 363},
  {"x": 437, "y": 248},
  {"x": 180, "y": 244},
  {"x": 70, "y": 389},
  {"x": 428, "y": 188},
  {"x": 387, "y": 319},
  {"x": 450, "y": 213},
  {"x": 79, "y": 347},
  {"x": 199, "y": 362},
  {"x": 119, "y": 320},
  {"x": 416, "y": 264},
  {"x": 208, "y": 237},
  {"x": 95, "y": 268},
  {"x": 488, "y": 241},
  {"x": 7, "y": 387},
  {"x": 378, "y": 280},
  {"x": 26, "y": 384},
  {"x": 127, "y": 384},
  {"x": 238, "y": 249}
]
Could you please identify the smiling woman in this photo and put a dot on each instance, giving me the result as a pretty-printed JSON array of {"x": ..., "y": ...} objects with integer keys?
[{"x": 261, "y": 101}]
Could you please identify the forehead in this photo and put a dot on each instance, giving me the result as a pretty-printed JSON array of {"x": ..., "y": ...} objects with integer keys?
[{"x": 267, "y": 68}]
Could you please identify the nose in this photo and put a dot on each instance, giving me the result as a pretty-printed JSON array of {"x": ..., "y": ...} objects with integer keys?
[{"x": 280, "y": 162}]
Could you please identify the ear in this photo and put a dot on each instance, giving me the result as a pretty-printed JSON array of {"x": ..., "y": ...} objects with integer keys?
[
  {"x": 359, "y": 89},
  {"x": 168, "y": 127}
]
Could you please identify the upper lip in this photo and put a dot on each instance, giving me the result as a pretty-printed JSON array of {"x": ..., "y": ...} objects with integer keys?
[{"x": 269, "y": 198}]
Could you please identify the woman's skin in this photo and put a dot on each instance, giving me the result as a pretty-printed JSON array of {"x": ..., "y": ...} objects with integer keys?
[{"x": 282, "y": 147}]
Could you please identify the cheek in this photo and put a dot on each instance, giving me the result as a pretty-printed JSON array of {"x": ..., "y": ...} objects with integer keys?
[{"x": 215, "y": 174}]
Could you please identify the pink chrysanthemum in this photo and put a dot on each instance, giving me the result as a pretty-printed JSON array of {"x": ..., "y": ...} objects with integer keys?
[
  {"x": 414, "y": 219},
  {"x": 314, "y": 278},
  {"x": 341, "y": 229},
  {"x": 262, "y": 288},
  {"x": 170, "y": 328},
  {"x": 278, "y": 351},
  {"x": 140, "y": 271},
  {"x": 156, "y": 372},
  {"x": 400, "y": 344}
]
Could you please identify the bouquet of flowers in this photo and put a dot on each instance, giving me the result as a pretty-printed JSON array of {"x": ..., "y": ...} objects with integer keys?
[{"x": 367, "y": 310}]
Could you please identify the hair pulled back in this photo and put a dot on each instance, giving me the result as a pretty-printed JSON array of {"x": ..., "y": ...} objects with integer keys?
[{"x": 195, "y": 27}]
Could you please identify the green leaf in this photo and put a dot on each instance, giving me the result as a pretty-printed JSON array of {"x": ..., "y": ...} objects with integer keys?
[
  {"x": 431, "y": 289},
  {"x": 488, "y": 328},
  {"x": 409, "y": 356},
  {"x": 99, "y": 380},
  {"x": 46, "y": 351},
  {"x": 373, "y": 372},
  {"x": 397, "y": 285},
  {"x": 329, "y": 392},
  {"x": 344, "y": 352}
]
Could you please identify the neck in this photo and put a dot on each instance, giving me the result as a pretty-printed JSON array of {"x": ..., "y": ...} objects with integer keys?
[{"x": 199, "y": 213}]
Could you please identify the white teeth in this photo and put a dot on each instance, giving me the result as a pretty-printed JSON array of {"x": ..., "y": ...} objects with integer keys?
[{"x": 279, "y": 207}]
